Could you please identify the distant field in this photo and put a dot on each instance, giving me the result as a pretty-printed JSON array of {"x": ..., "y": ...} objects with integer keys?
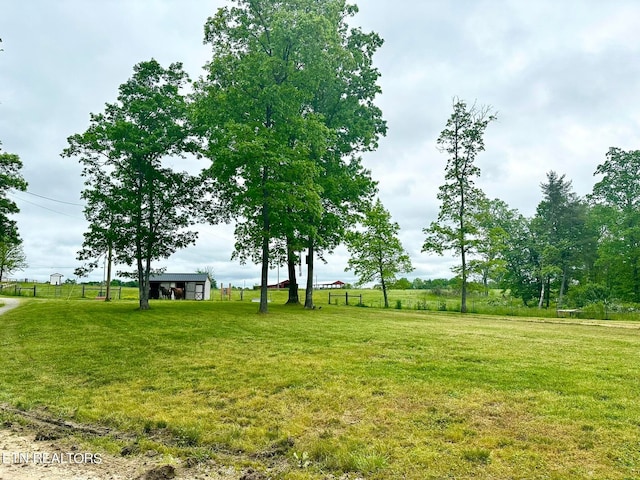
[{"x": 384, "y": 393}]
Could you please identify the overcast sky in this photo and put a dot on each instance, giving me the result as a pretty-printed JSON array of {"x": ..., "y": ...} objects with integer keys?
[{"x": 563, "y": 77}]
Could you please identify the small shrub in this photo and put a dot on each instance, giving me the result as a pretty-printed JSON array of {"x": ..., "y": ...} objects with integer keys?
[
  {"x": 398, "y": 304},
  {"x": 422, "y": 305},
  {"x": 590, "y": 293}
]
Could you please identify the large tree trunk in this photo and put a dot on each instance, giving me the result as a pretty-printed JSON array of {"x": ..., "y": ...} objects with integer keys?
[
  {"x": 308, "y": 293},
  {"x": 548, "y": 291},
  {"x": 463, "y": 300},
  {"x": 463, "y": 249},
  {"x": 562, "y": 287},
  {"x": 485, "y": 282},
  {"x": 107, "y": 298},
  {"x": 264, "y": 277},
  {"x": 541, "y": 301},
  {"x": 384, "y": 291},
  {"x": 143, "y": 282},
  {"x": 294, "y": 298}
]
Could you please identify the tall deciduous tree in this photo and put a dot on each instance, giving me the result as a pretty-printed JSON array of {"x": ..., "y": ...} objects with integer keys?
[
  {"x": 265, "y": 108},
  {"x": 136, "y": 205},
  {"x": 617, "y": 195},
  {"x": 101, "y": 211},
  {"x": 456, "y": 228},
  {"x": 345, "y": 98},
  {"x": 10, "y": 178},
  {"x": 376, "y": 251}
]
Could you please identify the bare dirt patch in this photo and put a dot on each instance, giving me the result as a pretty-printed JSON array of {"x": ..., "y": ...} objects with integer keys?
[{"x": 31, "y": 453}]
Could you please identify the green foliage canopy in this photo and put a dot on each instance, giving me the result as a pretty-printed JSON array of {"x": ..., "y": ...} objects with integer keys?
[
  {"x": 10, "y": 178},
  {"x": 287, "y": 100}
]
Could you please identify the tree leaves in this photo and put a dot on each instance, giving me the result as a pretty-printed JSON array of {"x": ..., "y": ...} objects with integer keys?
[
  {"x": 10, "y": 178},
  {"x": 135, "y": 205},
  {"x": 460, "y": 200},
  {"x": 376, "y": 251}
]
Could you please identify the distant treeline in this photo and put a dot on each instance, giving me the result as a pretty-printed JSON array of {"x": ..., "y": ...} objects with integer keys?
[
  {"x": 431, "y": 284},
  {"x": 114, "y": 283}
]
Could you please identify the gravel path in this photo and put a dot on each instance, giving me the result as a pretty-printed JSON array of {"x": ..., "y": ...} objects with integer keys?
[{"x": 9, "y": 303}]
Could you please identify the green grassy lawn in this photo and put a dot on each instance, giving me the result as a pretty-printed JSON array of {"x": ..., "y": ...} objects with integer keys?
[{"x": 385, "y": 393}]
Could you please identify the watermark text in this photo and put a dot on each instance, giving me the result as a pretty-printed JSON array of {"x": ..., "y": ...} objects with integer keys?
[{"x": 47, "y": 458}]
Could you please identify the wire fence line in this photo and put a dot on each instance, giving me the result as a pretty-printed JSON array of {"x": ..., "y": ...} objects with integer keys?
[{"x": 45, "y": 290}]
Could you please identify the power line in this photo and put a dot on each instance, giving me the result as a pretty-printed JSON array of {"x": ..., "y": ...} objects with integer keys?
[
  {"x": 46, "y": 208},
  {"x": 53, "y": 199}
]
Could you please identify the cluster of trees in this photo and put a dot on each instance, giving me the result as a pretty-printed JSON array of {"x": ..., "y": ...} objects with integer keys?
[
  {"x": 282, "y": 114},
  {"x": 590, "y": 245},
  {"x": 430, "y": 284},
  {"x": 284, "y": 110},
  {"x": 587, "y": 244}
]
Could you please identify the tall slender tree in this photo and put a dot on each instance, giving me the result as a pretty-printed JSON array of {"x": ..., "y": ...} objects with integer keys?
[
  {"x": 136, "y": 205},
  {"x": 456, "y": 228},
  {"x": 102, "y": 212}
]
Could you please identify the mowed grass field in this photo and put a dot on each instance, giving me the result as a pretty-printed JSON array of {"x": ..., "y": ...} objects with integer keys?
[{"x": 385, "y": 394}]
